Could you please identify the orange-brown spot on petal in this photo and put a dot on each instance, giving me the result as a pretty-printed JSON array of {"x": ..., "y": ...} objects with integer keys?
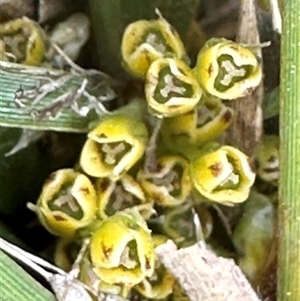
[
  {"x": 148, "y": 266},
  {"x": 210, "y": 69},
  {"x": 106, "y": 250},
  {"x": 85, "y": 190},
  {"x": 216, "y": 169},
  {"x": 59, "y": 218},
  {"x": 101, "y": 135}
]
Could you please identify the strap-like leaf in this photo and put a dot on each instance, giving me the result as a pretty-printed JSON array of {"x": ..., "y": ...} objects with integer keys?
[
  {"x": 16, "y": 284},
  {"x": 28, "y": 83}
]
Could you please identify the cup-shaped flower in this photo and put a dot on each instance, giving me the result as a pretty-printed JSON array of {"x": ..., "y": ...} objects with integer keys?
[
  {"x": 227, "y": 70},
  {"x": 114, "y": 146},
  {"x": 177, "y": 223},
  {"x": 205, "y": 123},
  {"x": 146, "y": 41},
  {"x": 254, "y": 236},
  {"x": 114, "y": 196},
  {"x": 122, "y": 249},
  {"x": 170, "y": 184},
  {"x": 67, "y": 203},
  {"x": 160, "y": 284},
  {"x": 267, "y": 159},
  {"x": 88, "y": 276},
  {"x": 171, "y": 88},
  {"x": 24, "y": 41},
  {"x": 223, "y": 175}
]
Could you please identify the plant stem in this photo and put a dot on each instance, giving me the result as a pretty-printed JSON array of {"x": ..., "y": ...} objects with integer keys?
[{"x": 289, "y": 190}]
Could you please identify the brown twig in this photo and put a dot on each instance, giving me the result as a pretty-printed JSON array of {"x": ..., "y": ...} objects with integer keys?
[{"x": 246, "y": 130}]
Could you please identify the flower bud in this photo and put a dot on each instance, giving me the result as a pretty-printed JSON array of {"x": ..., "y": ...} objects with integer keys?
[
  {"x": 67, "y": 202},
  {"x": 227, "y": 70},
  {"x": 267, "y": 159},
  {"x": 171, "y": 88},
  {"x": 114, "y": 146},
  {"x": 170, "y": 185},
  {"x": 24, "y": 41},
  {"x": 146, "y": 41},
  {"x": 254, "y": 236},
  {"x": 160, "y": 284},
  {"x": 223, "y": 175},
  {"x": 122, "y": 250}
]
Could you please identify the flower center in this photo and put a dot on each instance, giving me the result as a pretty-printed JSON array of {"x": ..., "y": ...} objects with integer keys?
[{"x": 113, "y": 152}]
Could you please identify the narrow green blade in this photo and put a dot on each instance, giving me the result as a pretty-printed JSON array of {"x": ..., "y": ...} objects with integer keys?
[
  {"x": 15, "y": 78},
  {"x": 16, "y": 284}
]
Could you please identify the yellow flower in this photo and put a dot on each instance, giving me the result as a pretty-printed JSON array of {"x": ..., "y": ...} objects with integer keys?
[
  {"x": 267, "y": 159},
  {"x": 170, "y": 185},
  {"x": 227, "y": 70},
  {"x": 114, "y": 146},
  {"x": 122, "y": 250},
  {"x": 24, "y": 41},
  {"x": 114, "y": 196},
  {"x": 146, "y": 41},
  {"x": 67, "y": 203},
  {"x": 205, "y": 123},
  {"x": 171, "y": 88},
  {"x": 223, "y": 175},
  {"x": 160, "y": 284}
]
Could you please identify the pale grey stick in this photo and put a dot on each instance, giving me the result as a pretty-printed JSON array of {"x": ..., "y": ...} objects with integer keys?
[{"x": 205, "y": 276}]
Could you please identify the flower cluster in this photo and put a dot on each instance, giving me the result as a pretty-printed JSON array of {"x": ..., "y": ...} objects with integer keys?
[{"x": 127, "y": 208}]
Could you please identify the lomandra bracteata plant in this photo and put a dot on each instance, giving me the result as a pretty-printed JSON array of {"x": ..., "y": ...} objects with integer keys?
[{"x": 127, "y": 207}]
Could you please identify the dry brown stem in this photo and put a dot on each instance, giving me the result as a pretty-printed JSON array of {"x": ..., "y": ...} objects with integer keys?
[{"x": 246, "y": 130}]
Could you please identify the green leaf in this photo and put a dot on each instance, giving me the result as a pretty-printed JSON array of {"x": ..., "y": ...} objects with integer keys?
[
  {"x": 16, "y": 78},
  {"x": 16, "y": 284},
  {"x": 21, "y": 174}
]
